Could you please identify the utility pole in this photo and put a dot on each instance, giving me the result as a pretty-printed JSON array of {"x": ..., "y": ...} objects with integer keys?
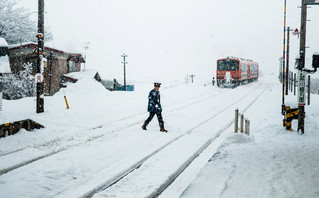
[
  {"x": 192, "y": 76},
  {"x": 124, "y": 56},
  {"x": 302, "y": 52},
  {"x": 86, "y": 47},
  {"x": 39, "y": 76}
]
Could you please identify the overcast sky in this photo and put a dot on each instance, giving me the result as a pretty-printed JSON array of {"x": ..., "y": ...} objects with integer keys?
[{"x": 168, "y": 39}]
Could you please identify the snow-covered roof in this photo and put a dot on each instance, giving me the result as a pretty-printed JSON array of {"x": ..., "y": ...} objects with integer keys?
[
  {"x": 23, "y": 44},
  {"x": 62, "y": 49},
  {"x": 3, "y": 42}
]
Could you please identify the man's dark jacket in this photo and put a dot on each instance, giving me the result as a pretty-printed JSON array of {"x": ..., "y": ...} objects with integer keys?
[{"x": 154, "y": 102}]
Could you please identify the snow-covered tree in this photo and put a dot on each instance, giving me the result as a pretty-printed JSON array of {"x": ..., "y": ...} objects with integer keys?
[
  {"x": 19, "y": 86},
  {"x": 15, "y": 23}
]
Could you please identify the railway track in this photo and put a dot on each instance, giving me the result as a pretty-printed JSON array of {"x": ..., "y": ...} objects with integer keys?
[
  {"x": 63, "y": 143},
  {"x": 89, "y": 188},
  {"x": 86, "y": 190}
]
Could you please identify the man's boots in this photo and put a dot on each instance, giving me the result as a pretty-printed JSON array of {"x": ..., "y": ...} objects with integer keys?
[
  {"x": 144, "y": 125},
  {"x": 162, "y": 127}
]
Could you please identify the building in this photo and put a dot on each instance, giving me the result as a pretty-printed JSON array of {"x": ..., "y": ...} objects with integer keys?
[{"x": 58, "y": 63}]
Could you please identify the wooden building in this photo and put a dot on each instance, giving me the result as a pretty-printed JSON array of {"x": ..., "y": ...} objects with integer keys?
[{"x": 58, "y": 63}]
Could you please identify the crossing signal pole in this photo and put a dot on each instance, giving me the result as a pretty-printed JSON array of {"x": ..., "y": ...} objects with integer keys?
[
  {"x": 287, "y": 61},
  {"x": 39, "y": 76},
  {"x": 283, "y": 64}
]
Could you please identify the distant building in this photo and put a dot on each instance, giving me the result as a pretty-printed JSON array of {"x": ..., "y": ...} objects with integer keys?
[{"x": 58, "y": 63}]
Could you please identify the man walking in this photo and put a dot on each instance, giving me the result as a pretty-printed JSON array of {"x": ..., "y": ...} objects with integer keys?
[{"x": 154, "y": 107}]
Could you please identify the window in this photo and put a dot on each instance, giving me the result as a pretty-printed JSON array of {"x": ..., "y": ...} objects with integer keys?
[
  {"x": 228, "y": 65},
  {"x": 72, "y": 66},
  {"x": 244, "y": 67}
]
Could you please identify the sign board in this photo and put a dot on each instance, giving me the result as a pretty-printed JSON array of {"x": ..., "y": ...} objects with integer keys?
[
  {"x": 311, "y": 2},
  {"x": 302, "y": 76},
  {"x": 38, "y": 78}
]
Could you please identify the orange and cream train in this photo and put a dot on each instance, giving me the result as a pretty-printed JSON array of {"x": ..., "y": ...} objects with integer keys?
[{"x": 233, "y": 71}]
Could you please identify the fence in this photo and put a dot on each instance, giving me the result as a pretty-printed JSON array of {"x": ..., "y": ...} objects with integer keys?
[{"x": 245, "y": 130}]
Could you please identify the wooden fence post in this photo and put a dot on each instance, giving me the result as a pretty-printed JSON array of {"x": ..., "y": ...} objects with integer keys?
[
  {"x": 236, "y": 121},
  {"x": 246, "y": 126},
  {"x": 241, "y": 123}
]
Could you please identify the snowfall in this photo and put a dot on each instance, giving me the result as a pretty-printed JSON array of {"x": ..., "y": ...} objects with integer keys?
[{"x": 100, "y": 135}]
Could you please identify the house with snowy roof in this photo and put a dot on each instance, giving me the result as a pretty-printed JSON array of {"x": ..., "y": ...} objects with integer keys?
[{"x": 58, "y": 63}]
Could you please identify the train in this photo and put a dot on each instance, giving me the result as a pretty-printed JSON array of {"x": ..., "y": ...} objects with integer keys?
[{"x": 233, "y": 71}]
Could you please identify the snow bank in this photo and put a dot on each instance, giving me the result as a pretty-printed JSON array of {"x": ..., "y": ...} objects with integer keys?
[
  {"x": 3, "y": 42},
  {"x": 272, "y": 162},
  {"x": 4, "y": 64}
]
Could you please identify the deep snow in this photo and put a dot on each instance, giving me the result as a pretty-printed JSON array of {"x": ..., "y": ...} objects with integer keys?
[
  {"x": 274, "y": 163},
  {"x": 103, "y": 132}
]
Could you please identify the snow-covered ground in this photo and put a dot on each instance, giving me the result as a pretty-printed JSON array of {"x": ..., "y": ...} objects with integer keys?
[
  {"x": 100, "y": 136},
  {"x": 272, "y": 162}
]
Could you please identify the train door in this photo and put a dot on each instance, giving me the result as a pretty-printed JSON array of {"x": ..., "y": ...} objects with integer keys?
[{"x": 249, "y": 72}]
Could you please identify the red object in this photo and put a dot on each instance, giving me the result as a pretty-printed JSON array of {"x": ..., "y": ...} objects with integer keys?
[
  {"x": 39, "y": 79},
  {"x": 296, "y": 32},
  {"x": 234, "y": 71}
]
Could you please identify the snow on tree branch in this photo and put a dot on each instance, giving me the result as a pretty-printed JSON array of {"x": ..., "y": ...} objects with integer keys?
[{"x": 15, "y": 23}]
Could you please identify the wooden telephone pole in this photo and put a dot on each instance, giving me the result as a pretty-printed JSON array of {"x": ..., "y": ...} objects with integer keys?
[
  {"x": 192, "y": 76},
  {"x": 39, "y": 76},
  {"x": 302, "y": 52},
  {"x": 124, "y": 63}
]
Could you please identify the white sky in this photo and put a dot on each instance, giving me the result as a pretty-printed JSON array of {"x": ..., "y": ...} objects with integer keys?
[{"x": 169, "y": 39}]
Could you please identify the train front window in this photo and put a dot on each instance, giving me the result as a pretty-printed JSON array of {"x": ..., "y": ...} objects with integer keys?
[{"x": 228, "y": 65}]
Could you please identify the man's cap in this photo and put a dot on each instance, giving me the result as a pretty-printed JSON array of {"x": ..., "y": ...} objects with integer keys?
[{"x": 157, "y": 84}]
